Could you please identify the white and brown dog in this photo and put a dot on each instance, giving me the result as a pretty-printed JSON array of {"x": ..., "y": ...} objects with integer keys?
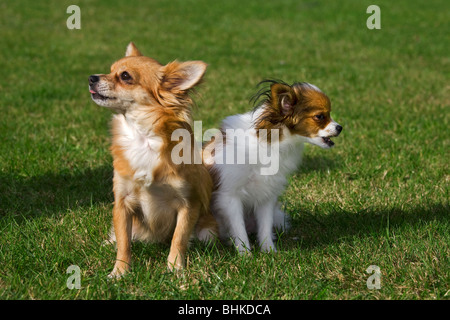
[{"x": 245, "y": 198}]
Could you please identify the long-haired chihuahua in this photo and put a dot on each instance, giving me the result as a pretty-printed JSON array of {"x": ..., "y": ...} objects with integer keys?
[{"x": 154, "y": 198}]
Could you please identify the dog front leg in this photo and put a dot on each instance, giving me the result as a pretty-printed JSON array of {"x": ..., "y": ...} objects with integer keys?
[
  {"x": 231, "y": 210},
  {"x": 186, "y": 219},
  {"x": 264, "y": 214},
  {"x": 122, "y": 221}
]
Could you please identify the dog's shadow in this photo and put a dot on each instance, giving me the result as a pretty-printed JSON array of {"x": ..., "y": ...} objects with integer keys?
[
  {"x": 53, "y": 194},
  {"x": 321, "y": 163},
  {"x": 318, "y": 229}
]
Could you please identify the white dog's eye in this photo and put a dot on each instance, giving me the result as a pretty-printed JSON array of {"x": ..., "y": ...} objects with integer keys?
[{"x": 125, "y": 76}]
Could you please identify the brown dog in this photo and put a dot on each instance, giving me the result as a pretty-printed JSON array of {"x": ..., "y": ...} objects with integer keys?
[{"x": 155, "y": 199}]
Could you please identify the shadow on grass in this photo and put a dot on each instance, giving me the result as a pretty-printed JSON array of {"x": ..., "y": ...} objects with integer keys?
[
  {"x": 313, "y": 229},
  {"x": 54, "y": 193},
  {"x": 320, "y": 163}
]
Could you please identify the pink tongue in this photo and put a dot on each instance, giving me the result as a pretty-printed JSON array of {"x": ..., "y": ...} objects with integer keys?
[{"x": 92, "y": 91}]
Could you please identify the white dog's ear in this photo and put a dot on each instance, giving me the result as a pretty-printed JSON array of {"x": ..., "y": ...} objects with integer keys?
[
  {"x": 132, "y": 51},
  {"x": 283, "y": 98},
  {"x": 182, "y": 76}
]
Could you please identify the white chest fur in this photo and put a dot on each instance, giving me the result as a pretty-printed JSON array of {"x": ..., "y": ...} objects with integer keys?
[
  {"x": 140, "y": 147},
  {"x": 246, "y": 180}
]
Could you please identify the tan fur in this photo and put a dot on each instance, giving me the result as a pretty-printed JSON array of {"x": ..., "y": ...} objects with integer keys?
[
  {"x": 294, "y": 107},
  {"x": 168, "y": 202}
]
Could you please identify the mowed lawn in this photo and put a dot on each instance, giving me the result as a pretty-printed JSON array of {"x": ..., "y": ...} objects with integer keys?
[{"x": 379, "y": 197}]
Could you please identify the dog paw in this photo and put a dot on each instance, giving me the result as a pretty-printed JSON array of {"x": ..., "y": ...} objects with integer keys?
[
  {"x": 268, "y": 247},
  {"x": 120, "y": 269},
  {"x": 243, "y": 247},
  {"x": 175, "y": 263},
  {"x": 115, "y": 274},
  {"x": 244, "y": 251}
]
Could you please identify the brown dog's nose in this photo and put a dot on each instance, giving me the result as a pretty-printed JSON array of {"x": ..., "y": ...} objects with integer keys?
[
  {"x": 93, "y": 79},
  {"x": 339, "y": 128}
]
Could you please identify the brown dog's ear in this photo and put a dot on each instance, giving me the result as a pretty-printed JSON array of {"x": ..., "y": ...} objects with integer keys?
[
  {"x": 182, "y": 76},
  {"x": 283, "y": 98},
  {"x": 132, "y": 51}
]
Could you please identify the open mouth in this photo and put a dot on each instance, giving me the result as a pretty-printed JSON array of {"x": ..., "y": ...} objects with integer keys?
[
  {"x": 327, "y": 141},
  {"x": 96, "y": 95}
]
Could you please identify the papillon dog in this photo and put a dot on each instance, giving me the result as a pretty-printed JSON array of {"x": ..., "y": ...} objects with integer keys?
[
  {"x": 154, "y": 198},
  {"x": 245, "y": 197}
]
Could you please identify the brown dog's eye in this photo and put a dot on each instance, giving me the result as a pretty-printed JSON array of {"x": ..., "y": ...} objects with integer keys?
[
  {"x": 319, "y": 117},
  {"x": 125, "y": 76}
]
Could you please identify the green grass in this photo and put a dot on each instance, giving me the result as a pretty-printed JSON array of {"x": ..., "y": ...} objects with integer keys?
[{"x": 380, "y": 197}]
